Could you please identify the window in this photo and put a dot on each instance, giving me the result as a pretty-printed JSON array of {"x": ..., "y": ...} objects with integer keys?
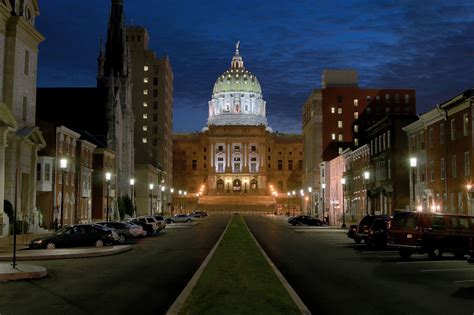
[
  {"x": 194, "y": 165},
  {"x": 145, "y": 104},
  {"x": 453, "y": 129},
  {"x": 155, "y": 81},
  {"x": 441, "y": 133},
  {"x": 407, "y": 98},
  {"x": 467, "y": 166},
  {"x": 339, "y": 110},
  {"x": 356, "y": 102},
  {"x": 368, "y": 98},
  {"x": 442, "y": 169},
  {"x": 47, "y": 172},
  {"x": 38, "y": 171},
  {"x": 25, "y": 108},
  {"x": 280, "y": 165},
  {"x": 430, "y": 137},
  {"x": 465, "y": 125},
  {"x": 145, "y": 92},
  {"x": 339, "y": 99},
  {"x": 155, "y": 105},
  {"x": 220, "y": 167},
  {"x": 27, "y": 62},
  {"x": 333, "y": 110},
  {"x": 253, "y": 148},
  {"x": 300, "y": 165},
  {"x": 422, "y": 140},
  {"x": 356, "y": 142},
  {"x": 388, "y": 139},
  {"x": 340, "y": 150},
  {"x": 155, "y": 117},
  {"x": 432, "y": 166},
  {"x": 155, "y": 93},
  {"x": 339, "y": 124},
  {"x": 145, "y": 116},
  {"x": 145, "y": 80},
  {"x": 145, "y": 128},
  {"x": 356, "y": 128},
  {"x": 145, "y": 68},
  {"x": 377, "y": 99},
  {"x": 387, "y": 97},
  {"x": 144, "y": 140},
  {"x": 220, "y": 148},
  {"x": 453, "y": 166},
  {"x": 290, "y": 165},
  {"x": 389, "y": 169},
  {"x": 253, "y": 164},
  {"x": 356, "y": 115},
  {"x": 339, "y": 138},
  {"x": 397, "y": 98},
  {"x": 333, "y": 136}
]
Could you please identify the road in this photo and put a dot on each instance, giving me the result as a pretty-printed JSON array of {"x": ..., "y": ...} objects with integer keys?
[
  {"x": 333, "y": 275},
  {"x": 144, "y": 280}
]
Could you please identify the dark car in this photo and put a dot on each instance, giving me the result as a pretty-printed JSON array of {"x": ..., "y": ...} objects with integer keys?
[
  {"x": 77, "y": 235},
  {"x": 378, "y": 232},
  {"x": 198, "y": 214},
  {"x": 304, "y": 220},
  {"x": 351, "y": 233},
  {"x": 122, "y": 229},
  {"x": 364, "y": 227},
  {"x": 148, "y": 228}
]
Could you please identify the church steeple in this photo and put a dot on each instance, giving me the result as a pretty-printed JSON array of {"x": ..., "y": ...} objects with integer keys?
[{"x": 115, "y": 48}]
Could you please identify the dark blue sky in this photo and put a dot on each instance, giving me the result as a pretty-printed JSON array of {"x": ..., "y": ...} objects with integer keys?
[{"x": 427, "y": 45}]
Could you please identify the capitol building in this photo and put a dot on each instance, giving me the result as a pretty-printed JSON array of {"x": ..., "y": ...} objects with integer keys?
[{"x": 237, "y": 154}]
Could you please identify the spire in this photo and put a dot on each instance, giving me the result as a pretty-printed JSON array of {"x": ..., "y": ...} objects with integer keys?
[
  {"x": 115, "y": 47},
  {"x": 237, "y": 61}
]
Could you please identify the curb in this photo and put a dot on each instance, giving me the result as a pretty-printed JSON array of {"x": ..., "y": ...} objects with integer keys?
[
  {"x": 319, "y": 231},
  {"x": 181, "y": 299},
  {"x": 61, "y": 254},
  {"x": 21, "y": 272},
  {"x": 294, "y": 296}
]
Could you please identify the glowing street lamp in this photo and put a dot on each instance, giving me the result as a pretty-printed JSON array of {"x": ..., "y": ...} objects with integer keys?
[
  {"x": 63, "y": 167},
  {"x": 343, "y": 182},
  {"x": 108, "y": 177},
  {"x": 132, "y": 186},
  {"x": 323, "y": 187},
  {"x": 151, "y": 186},
  {"x": 366, "y": 179},
  {"x": 413, "y": 162}
]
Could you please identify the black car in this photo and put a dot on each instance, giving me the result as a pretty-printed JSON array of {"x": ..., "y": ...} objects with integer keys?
[
  {"x": 304, "y": 219},
  {"x": 122, "y": 230},
  {"x": 378, "y": 233},
  {"x": 365, "y": 224},
  {"x": 148, "y": 228},
  {"x": 76, "y": 235},
  {"x": 351, "y": 233},
  {"x": 198, "y": 214}
]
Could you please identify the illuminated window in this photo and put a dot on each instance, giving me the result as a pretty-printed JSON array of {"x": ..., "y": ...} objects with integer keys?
[
  {"x": 339, "y": 138},
  {"x": 356, "y": 115},
  {"x": 465, "y": 125},
  {"x": 356, "y": 128},
  {"x": 145, "y": 68},
  {"x": 407, "y": 98},
  {"x": 145, "y": 128},
  {"x": 333, "y": 110},
  {"x": 145, "y": 92},
  {"x": 333, "y": 136},
  {"x": 144, "y": 140},
  {"x": 339, "y": 110},
  {"x": 339, "y": 124},
  {"x": 356, "y": 142},
  {"x": 145, "y": 104},
  {"x": 145, "y": 116},
  {"x": 340, "y": 150},
  {"x": 356, "y": 102},
  {"x": 145, "y": 80}
]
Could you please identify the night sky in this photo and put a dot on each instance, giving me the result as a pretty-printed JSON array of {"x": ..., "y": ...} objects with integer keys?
[{"x": 427, "y": 45}]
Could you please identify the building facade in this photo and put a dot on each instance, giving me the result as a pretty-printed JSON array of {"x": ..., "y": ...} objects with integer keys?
[
  {"x": 237, "y": 154},
  {"x": 20, "y": 138}
]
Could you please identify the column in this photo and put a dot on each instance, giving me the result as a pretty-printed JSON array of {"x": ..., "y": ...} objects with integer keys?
[
  {"x": 3, "y": 143},
  {"x": 228, "y": 155},
  {"x": 212, "y": 155},
  {"x": 245, "y": 154}
]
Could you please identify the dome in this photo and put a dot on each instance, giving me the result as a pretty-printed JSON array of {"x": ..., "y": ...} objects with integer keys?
[{"x": 237, "y": 80}]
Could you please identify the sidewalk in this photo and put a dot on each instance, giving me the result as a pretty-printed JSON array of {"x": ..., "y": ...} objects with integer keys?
[{"x": 22, "y": 241}]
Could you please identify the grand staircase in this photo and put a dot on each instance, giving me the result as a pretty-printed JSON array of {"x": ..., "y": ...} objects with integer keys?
[{"x": 239, "y": 203}]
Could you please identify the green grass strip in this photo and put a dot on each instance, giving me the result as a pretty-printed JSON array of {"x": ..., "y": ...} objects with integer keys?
[{"x": 238, "y": 280}]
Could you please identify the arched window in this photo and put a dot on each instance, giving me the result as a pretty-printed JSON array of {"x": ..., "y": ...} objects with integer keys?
[
  {"x": 253, "y": 184},
  {"x": 220, "y": 185},
  {"x": 237, "y": 185}
]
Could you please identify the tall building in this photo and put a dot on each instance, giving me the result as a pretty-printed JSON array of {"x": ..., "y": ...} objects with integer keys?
[
  {"x": 237, "y": 154},
  {"x": 337, "y": 116},
  {"x": 115, "y": 86},
  {"x": 20, "y": 137},
  {"x": 152, "y": 103}
]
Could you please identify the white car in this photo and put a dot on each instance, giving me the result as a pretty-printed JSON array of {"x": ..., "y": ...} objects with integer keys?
[
  {"x": 161, "y": 221},
  {"x": 151, "y": 220},
  {"x": 135, "y": 230}
]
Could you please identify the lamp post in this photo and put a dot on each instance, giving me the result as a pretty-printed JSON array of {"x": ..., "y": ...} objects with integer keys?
[
  {"x": 171, "y": 200},
  {"x": 185, "y": 200},
  {"x": 469, "y": 205},
  {"x": 180, "y": 200},
  {"x": 413, "y": 162},
  {"x": 151, "y": 198},
  {"x": 302, "y": 201},
  {"x": 288, "y": 203},
  {"x": 343, "y": 182},
  {"x": 323, "y": 186},
  {"x": 310, "y": 190},
  {"x": 163, "y": 188},
  {"x": 108, "y": 177},
  {"x": 63, "y": 167},
  {"x": 366, "y": 180},
  {"x": 294, "y": 205},
  {"x": 132, "y": 187}
]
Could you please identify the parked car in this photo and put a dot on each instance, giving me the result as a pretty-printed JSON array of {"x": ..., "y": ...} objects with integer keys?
[
  {"x": 304, "y": 219},
  {"x": 161, "y": 222},
  {"x": 135, "y": 229},
  {"x": 147, "y": 228},
  {"x": 431, "y": 233},
  {"x": 365, "y": 224},
  {"x": 351, "y": 233},
  {"x": 179, "y": 218},
  {"x": 122, "y": 229},
  {"x": 151, "y": 220},
  {"x": 378, "y": 232},
  {"x": 198, "y": 214},
  {"x": 77, "y": 235}
]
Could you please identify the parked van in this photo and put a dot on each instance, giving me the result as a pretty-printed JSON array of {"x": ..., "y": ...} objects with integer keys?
[{"x": 431, "y": 233}]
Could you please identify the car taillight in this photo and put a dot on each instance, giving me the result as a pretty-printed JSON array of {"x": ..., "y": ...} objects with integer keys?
[{"x": 409, "y": 235}]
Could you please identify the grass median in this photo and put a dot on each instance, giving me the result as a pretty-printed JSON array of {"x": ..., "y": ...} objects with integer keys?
[{"x": 238, "y": 280}]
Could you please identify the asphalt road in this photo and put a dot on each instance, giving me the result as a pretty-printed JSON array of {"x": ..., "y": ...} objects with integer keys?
[
  {"x": 333, "y": 275},
  {"x": 145, "y": 280}
]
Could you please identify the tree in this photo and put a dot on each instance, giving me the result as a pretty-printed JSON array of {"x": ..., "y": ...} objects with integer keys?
[
  {"x": 8, "y": 209},
  {"x": 125, "y": 206}
]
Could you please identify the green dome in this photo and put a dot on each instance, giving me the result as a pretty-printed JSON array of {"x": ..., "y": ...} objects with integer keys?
[{"x": 237, "y": 80}]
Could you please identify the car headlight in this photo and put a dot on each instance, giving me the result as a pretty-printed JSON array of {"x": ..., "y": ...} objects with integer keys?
[{"x": 38, "y": 242}]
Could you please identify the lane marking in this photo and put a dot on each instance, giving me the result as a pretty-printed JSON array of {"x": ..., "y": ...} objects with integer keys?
[
  {"x": 430, "y": 261},
  {"x": 380, "y": 252},
  {"x": 448, "y": 269},
  {"x": 463, "y": 281}
]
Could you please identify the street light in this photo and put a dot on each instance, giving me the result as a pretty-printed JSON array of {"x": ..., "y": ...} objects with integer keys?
[
  {"x": 469, "y": 205},
  {"x": 366, "y": 179},
  {"x": 323, "y": 186},
  {"x": 413, "y": 162},
  {"x": 294, "y": 205},
  {"x": 163, "y": 188},
  {"x": 108, "y": 177},
  {"x": 288, "y": 203},
  {"x": 132, "y": 186},
  {"x": 343, "y": 182},
  {"x": 63, "y": 167},
  {"x": 180, "y": 200},
  {"x": 185, "y": 200},
  {"x": 151, "y": 198},
  {"x": 310, "y": 190}
]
